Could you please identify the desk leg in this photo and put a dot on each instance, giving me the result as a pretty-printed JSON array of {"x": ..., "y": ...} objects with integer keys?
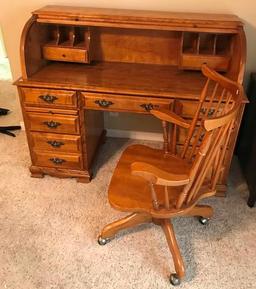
[
  {"x": 221, "y": 190},
  {"x": 84, "y": 180},
  {"x": 35, "y": 172},
  {"x": 252, "y": 196}
]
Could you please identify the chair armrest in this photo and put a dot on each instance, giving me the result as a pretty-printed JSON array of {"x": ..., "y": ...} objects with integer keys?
[
  {"x": 167, "y": 115},
  {"x": 158, "y": 176}
]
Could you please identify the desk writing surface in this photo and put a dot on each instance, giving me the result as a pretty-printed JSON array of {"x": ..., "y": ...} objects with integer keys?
[{"x": 127, "y": 78}]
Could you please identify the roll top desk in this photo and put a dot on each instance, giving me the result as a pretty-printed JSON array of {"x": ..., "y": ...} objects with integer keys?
[{"x": 79, "y": 62}]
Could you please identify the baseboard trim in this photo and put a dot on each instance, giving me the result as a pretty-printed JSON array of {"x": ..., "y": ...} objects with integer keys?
[
  {"x": 139, "y": 135},
  {"x": 22, "y": 125}
]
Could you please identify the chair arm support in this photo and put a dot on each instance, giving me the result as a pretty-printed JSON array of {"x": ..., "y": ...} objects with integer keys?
[
  {"x": 167, "y": 115},
  {"x": 158, "y": 176}
]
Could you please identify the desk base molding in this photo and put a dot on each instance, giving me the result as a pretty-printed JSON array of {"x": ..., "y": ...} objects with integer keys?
[{"x": 39, "y": 172}]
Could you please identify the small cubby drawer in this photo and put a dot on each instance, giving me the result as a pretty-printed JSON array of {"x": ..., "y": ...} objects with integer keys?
[
  {"x": 49, "y": 97},
  {"x": 125, "y": 103},
  {"x": 193, "y": 61},
  {"x": 66, "y": 54},
  {"x": 53, "y": 123},
  {"x": 67, "y": 43},
  {"x": 211, "y": 48},
  {"x": 57, "y": 160},
  {"x": 56, "y": 142}
]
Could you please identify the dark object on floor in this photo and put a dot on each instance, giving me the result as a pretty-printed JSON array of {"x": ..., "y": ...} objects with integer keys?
[
  {"x": 6, "y": 129},
  {"x": 246, "y": 148},
  {"x": 4, "y": 111}
]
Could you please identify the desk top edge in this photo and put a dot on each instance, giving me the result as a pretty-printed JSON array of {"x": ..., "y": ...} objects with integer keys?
[{"x": 135, "y": 16}]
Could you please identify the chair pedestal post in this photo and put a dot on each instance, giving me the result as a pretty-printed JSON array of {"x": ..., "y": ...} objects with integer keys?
[{"x": 174, "y": 248}]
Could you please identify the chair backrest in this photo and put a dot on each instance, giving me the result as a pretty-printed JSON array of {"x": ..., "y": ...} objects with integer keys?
[
  {"x": 207, "y": 139},
  {"x": 209, "y": 135}
]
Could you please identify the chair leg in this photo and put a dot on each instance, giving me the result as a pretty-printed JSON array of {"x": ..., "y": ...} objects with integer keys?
[
  {"x": 174, "y": 248},
  {"x": 127, "y": 222},
  {"x": 201, "y": 211}
]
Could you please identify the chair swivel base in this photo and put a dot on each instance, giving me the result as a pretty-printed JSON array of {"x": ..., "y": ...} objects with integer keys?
[{"x": 129, "y": 221}]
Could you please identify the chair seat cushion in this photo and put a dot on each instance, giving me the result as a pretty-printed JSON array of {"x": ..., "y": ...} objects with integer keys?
[{"x": 130, "y": 193}]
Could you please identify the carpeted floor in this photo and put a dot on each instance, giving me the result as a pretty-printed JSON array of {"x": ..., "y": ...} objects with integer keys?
[{"x": 49, "y": 228}]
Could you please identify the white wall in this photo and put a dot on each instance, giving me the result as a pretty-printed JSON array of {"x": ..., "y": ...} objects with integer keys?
[{"x": 14, "y": 14}]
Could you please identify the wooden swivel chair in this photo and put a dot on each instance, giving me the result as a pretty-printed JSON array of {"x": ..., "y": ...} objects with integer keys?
[{"x": 155, "y": 185}]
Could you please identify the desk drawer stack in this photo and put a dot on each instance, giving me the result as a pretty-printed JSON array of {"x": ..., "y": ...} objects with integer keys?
[{"x": 52, "y": 120}]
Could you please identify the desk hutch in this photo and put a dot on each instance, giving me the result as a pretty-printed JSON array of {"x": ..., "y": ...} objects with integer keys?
[{"x": 78, "y": 62}]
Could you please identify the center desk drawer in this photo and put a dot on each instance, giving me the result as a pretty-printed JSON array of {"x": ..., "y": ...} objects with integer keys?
[
  {"x": 49, "y": 97},
  {"x": 125, "y": 103},
  {"x": 189, "y": 108},
  {"x": 53, "y": 123}
]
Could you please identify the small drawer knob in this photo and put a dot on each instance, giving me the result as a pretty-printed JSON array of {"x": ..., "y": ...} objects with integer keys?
[
  {"x": 103, "y": 103},
  {"x": 55, "y": 143},
  {"x": 48, "y": 98},
  {"x": 211, "y": 111},
  {"x": 52, "y": 124},
  {"x": 149, "y": 106},
  {"x": 57, "y": 161}
]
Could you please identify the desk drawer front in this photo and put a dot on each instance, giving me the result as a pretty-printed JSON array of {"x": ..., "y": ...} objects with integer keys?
[
  {"x": 56, "y": 142},
  {"x": 53, "y": 123},
  {"x": 189, "y": 108},
  {"x": 49, "y": 97},
  {"x": 57, "y": 160},
  {"x": 117, "y": 102}
]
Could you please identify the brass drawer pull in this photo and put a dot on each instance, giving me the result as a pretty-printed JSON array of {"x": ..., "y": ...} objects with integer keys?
[
  {"x": 57, "y": 161},
  {"x": 103, "y": 103},
  {"x": 149, "y": 106},
  {"x": 210, "y": 112},
  {"x": 52, "y": 124},
  {"x": 203, "y": 110},
  {"x": 55, "y": 144},
  {"x": 48, "y": 98}
]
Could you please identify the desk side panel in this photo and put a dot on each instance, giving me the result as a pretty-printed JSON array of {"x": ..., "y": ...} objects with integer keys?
[
  {"x": 33, "y": 35},
  {"x": 237, "y": 66}
]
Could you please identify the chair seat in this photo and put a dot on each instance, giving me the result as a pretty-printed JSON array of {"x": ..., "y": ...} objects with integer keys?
[{"x": 130, "y": 193}]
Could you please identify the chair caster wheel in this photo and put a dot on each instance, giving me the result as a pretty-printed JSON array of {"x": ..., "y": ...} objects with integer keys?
[
  {"x": 204, "y": 221},
  {"x": 103, "y": 241},
  {"x": 174, "y": 280}
]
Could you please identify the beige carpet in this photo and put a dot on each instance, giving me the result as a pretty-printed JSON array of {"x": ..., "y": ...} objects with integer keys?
[{"x": 49, "y": 228}]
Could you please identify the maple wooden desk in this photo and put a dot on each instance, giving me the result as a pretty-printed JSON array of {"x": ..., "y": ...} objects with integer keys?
[{"x": 78, "y": 62}]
